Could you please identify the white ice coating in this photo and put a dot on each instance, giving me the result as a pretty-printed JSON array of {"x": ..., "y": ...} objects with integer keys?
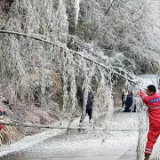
[{"x": 77, "y": 9}]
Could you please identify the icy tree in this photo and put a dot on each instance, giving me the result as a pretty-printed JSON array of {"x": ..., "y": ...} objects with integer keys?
[
  {"x": 77, "y": 2},
  {"x": 125, "y": 27},
  {"x": 61, "y": 45}
]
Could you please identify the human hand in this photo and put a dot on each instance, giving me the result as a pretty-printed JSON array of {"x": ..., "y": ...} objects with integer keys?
[{"x": 136, "y": 93}]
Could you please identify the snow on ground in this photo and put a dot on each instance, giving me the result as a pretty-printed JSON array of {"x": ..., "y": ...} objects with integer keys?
[
  {"x": 116, "y": 142},
  {"x": 27, "y": 142}
]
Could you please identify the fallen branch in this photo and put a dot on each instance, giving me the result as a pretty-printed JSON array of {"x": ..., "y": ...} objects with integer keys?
[
  {"x": 62, "y": 127},
  {"x": 29, "y": 36},
  {"x": 74, "y": 52},
  {"x": 38, "y": 126}
]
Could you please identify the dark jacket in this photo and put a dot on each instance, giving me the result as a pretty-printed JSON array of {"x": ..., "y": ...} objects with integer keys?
[
  {"x": 129, "y": 99},
  {"x": 89, "y": 105},
  {"x": 128, "y": 102}
]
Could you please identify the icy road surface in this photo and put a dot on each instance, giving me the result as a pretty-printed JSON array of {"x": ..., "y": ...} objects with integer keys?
[{"x": 90, "y": 146}]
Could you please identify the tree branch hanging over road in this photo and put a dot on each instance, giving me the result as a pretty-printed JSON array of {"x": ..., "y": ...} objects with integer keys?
[{"x": 126, "y": 73}]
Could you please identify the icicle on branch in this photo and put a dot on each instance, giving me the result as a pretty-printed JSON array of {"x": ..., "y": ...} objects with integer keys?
[{"x": 77, "y": 8}]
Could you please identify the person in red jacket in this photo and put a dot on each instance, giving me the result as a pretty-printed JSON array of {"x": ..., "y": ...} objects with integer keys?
[
  {"x": 152, "y": 100},
  {"x": 1, "y": 116}
]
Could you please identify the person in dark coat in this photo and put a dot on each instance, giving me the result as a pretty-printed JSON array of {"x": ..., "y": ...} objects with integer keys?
[
  {"x": 89, "y": 106},
  {"x": 128, "y": 102},
  {"x": 124, "y": 97}
]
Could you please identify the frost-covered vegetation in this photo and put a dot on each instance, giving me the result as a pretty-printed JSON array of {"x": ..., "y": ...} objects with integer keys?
[{"x": 51, "y": 49}]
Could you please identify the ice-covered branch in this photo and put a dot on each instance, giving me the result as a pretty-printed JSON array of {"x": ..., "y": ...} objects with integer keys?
[
  {"x": 79, "y": 53},
  {"x": 77, "y": 8}
]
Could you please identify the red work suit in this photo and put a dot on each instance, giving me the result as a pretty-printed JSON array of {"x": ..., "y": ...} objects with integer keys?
[
  {"x": 1, "y": 126},
  {"x": 153, "y": 103}
]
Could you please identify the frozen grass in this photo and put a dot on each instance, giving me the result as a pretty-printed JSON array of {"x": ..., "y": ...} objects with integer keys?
[{"x": 8, "y": 133}]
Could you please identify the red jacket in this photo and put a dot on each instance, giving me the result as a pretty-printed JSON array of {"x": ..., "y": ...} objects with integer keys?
[
  {"x": 1, "y": 126},
  {"x": 153, "y": 103}
]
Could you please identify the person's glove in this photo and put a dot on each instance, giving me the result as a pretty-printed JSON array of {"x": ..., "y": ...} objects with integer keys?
[{"x": 136, "y": 93}]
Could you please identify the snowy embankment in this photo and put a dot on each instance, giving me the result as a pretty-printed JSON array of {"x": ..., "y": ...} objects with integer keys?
[{"x": 28, "y": 142}]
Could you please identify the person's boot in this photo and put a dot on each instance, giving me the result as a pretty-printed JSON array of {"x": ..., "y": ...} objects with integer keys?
[{"x": 147, "y": 157}]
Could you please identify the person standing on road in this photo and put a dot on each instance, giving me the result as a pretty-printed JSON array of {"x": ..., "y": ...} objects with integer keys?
[
  {"x": 152, "y": 100},
  {"x": 89, "y": 106},
  {"x": 127, "y": 100},
  {"x": 124, "y": 97}
]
